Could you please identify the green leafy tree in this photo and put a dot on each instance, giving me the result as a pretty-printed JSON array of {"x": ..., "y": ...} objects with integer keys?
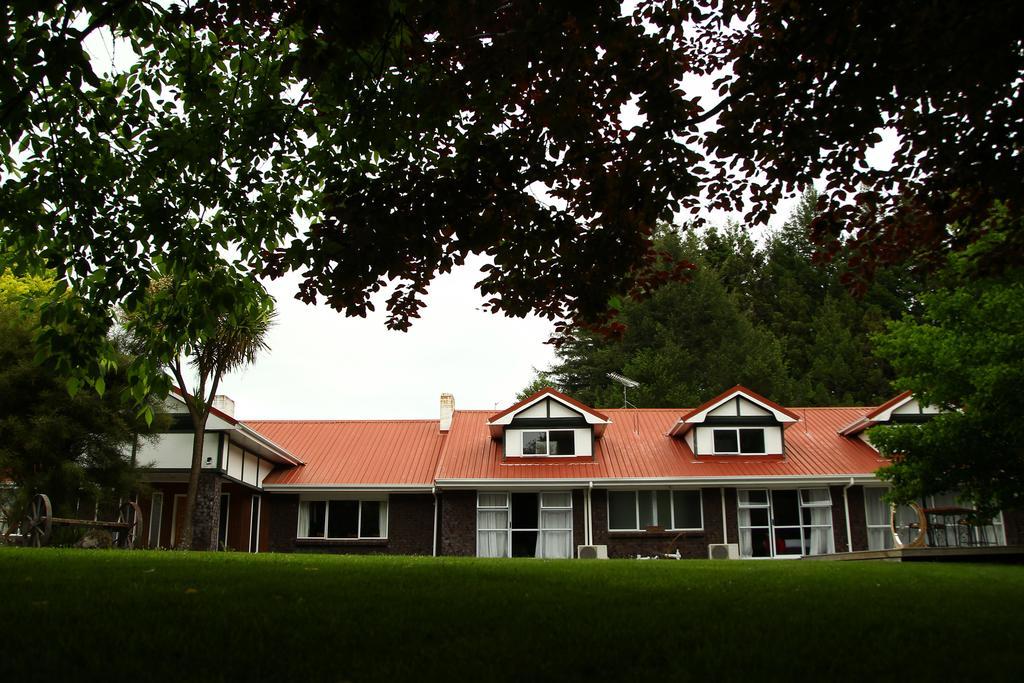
[
  {"x": 684, "y": 343},
  {"x": 215, "y": 348},
  {"x": 421, "y": 136},
  {"x": 78, "y": 447},
  {"x": 965, "y": 355},
  {"x": 824, "y": 329}
]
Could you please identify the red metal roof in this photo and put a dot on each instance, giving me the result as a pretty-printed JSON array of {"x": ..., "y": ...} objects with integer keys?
[
  {"x": 355, "y": 452},
  {"x": 636, "y": 446},
  {"x": 547, "y": 391}
]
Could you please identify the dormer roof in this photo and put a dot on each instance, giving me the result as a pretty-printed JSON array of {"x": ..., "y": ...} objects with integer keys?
[
  {"x": 879, "y": 415},
  {"x": 496, "y": 423},
  {"x": 700, "y": 414}
]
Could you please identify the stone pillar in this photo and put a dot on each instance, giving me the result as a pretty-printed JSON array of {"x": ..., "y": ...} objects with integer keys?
[{"x": 206, "y": 520}]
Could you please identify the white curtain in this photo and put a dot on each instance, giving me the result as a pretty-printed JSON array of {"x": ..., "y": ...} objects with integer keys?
[
  {"x": 492, "y": 544},
  {"x": 555, "y": 544},
  {"x": 492, "y": 537},
  {"x": 746, "y": 538},
  {"x": 303, "y": 519},
  {"x": 555, "y": 537},
  {"x": 821, "y": 531}
]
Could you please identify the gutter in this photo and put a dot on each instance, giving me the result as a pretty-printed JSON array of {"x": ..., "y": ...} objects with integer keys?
[
  {"x": 769, "y": 480},
  {"x": 589, "y": 511},
  {"x": 433, "y": 491},
  {"x": 725, "y": 520},
  {"x": 846, "y": 510}
]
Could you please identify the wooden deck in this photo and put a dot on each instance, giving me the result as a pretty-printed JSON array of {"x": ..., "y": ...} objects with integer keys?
[{"x": 1007, "y": 554}]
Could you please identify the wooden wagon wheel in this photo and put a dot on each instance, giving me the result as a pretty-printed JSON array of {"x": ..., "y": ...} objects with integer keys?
[
  {"x": 922, "y": 527},
  {"x": 130, "y": 514},
  {"x": 39, "y": 522}
]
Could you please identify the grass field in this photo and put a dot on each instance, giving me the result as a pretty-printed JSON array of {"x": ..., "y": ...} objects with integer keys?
[{"x": 106, "y": 615}]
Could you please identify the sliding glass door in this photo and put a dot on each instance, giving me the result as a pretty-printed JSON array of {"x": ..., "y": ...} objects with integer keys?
[{"x": 785, "y": 522}]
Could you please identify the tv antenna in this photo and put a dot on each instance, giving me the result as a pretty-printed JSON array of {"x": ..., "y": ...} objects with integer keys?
[{"x": 626, "y": 383}]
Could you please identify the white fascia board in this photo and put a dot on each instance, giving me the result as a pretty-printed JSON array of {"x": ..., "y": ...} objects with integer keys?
[
  {"x": 886, "y": 415},
  {"x": 590, "y": 418},
  {"x": 764, "y": 481},
  {"x": 699, "y": 417},
  {"x": 346, "y": 488}
]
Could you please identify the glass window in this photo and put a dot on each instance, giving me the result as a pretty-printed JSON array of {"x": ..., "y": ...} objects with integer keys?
[
  {"x": 369, "y": 523},
  {"x": 687, "y": 508},
  {"x": 556, "y": 442},
  {"x": 562, "y": 442},
  {"x": 877, "y": 517},
  {"x": 556, "y": 499},
  {"x": 341, "y": 519},
  {"x": 493, "y": 500},
  {"x": 731, "y": 441},
  {"x": 645, "y": 503},
  {"x": 726, "y": 441},
  {"x": 317, "y": 518},
  {"x": 752, "y": 441},
  {"x": 638, "y": 510},
  {"x": 622, "y": 510},
  {"x": 535, "y": 443}
]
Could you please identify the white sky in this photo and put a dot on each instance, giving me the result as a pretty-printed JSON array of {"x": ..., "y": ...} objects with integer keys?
[{"x": 322, "y": 365}]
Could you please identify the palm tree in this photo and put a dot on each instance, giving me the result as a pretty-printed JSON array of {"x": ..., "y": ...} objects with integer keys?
[{"x": 228, "y": 340}]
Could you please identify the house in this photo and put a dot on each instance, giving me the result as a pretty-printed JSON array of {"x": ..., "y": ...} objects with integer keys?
[{"x": 548, "y": 476}]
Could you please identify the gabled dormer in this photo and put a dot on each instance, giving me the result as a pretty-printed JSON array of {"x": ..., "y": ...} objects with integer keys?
[
  {"x": 902, "y": 409},
  {"x": 548, "y": 424},
  {"x": 736, "y": 422}
]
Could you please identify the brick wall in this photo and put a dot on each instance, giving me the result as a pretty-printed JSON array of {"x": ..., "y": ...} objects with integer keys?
[
  {"x": 282, "y": 521},
  {"x": 858, "y": 519},
  {"x": 458, "y": 523},
  {"x": 410, "y": 528}
]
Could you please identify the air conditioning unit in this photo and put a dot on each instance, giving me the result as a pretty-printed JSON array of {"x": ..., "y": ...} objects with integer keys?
[
  {"x": 723, "y": 551},
  {"x": 592, "y": 552}
]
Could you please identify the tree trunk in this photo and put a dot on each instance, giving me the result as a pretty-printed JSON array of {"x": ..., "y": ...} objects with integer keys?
[{"x": 199, "y": 435}]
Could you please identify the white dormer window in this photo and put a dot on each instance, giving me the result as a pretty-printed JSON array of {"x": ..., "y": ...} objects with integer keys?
[
  {"x": 547, "y": 425},
  {"x": 549, "y": 442},
  {"x": 737, "y": 441}
]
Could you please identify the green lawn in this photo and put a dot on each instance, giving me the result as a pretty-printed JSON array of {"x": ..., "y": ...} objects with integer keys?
[{"x": 76, "y": 615}]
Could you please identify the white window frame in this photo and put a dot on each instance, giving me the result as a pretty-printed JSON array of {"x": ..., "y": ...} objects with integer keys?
[
  {"x": 359, "y": 520},
  {"x": 739, "y": 444},
  {"x": 654, "y": 501},
  {"x": 547, "y": 441},
  {"x": 507, "y": 508}
]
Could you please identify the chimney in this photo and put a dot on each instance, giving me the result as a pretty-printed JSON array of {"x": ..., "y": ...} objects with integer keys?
[
  {"x": 224, "y": 405},
  {"x": 447, "y": 410}
]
